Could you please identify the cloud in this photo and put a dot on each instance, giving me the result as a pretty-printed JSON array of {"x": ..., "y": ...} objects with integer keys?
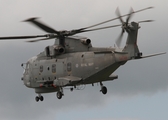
[{"x": 116, "y": 119}]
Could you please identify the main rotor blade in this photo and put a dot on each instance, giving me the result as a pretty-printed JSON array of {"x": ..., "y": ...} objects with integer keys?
[
  {"x": 41, "y": 25},
  {"x": 101, "y": 28},
  {"x": 22, "y": 37},
  {"x": 39, "y": 40},
  {"x": 115, "y": 18},
  {"x": 49, "y": 36},
  {"x": 145, "y": 21}
]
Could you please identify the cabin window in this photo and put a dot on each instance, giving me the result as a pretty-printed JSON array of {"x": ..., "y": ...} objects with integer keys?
[
  {"x": 54, "y": 68},
  {"x": 68, "y": 67},
  {"x": 48, "y": 68},
  {"x": 41, "y": 68}
]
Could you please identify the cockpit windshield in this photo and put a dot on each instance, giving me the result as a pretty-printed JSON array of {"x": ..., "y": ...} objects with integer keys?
[{"x": 27, "y": 65}]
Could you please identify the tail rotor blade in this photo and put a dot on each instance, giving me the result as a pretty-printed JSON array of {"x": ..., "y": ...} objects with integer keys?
[
  {"x": 118, "y": 41},
  {"x": 119, "y": 15},
  {"x": 131, "y": 12}
]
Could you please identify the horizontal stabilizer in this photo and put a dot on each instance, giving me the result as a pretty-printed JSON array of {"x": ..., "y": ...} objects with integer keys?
[
  {"x": 112, "y": 77},
  {"x": 152, "y": 55}
]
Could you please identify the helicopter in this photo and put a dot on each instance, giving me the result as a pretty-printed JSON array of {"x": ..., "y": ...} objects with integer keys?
[{"x": 72, "y": 60}]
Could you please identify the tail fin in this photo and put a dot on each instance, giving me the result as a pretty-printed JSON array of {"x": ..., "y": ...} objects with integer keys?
[{"x": 131, "y": 43}]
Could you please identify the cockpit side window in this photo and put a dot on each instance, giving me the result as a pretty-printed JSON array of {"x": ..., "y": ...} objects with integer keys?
[{"x": 27, "y": 68}]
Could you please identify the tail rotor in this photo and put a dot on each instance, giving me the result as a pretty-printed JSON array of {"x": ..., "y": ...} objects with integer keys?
[{"x": 124, "y": 24}]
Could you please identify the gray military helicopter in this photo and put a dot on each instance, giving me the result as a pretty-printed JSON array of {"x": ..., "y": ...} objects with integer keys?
[{"x": 72, "y": 60}]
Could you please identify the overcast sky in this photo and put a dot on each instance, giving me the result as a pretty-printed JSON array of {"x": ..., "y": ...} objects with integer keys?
[{"x": 140, "y": 92}]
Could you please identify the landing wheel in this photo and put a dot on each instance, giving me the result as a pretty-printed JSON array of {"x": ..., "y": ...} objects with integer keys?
[
  {"x": 59, "y": 95},
  {"x": 37, "y": 98},
  {"x": 104, "y": 90},
  {"x": 41, "y": 98}
]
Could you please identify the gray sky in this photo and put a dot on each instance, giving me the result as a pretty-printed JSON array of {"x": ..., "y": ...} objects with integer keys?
[{"x": 140, "y": 93}]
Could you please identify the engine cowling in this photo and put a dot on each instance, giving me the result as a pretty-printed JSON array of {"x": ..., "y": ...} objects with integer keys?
[
  {"x": 86, "y": 41},
  {"x": 54, "y": 50},
  {"x": 59, "y": 50}
]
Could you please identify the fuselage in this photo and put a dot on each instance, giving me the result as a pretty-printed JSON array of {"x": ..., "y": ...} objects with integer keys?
[{"x": 92, "y": 66}]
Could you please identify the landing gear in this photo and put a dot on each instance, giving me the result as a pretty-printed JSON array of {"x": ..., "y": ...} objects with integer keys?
[
  {"x": 60, "y": 93},
  {"x": 39, "y": 97},
  {"x": 71, "y": 89},
  {"x": 103, "y": 88}
]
